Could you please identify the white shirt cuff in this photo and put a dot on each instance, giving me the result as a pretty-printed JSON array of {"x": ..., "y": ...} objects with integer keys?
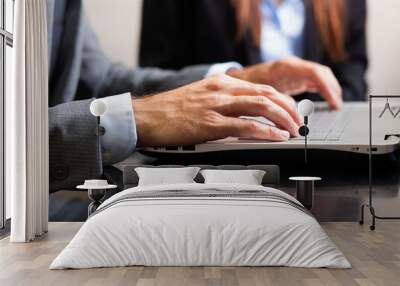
[
  {"x": 120, "y": 138},
  {"x": 223, "y": 68}
]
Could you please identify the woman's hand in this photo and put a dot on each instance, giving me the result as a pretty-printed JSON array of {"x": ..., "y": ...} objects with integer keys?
[
  {"x": 294, "y": 76},
  {"x": 210, "y": 110}
]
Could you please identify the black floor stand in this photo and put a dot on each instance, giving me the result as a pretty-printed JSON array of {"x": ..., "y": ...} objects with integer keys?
[
  {"x": 369, "y": 205},
  {"x": 374, "y": 216}
]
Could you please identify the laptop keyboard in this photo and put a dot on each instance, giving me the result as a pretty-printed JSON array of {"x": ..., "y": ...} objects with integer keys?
[
  {"x": 328, "y": 125},
  {"x": 324, "y": 124}
]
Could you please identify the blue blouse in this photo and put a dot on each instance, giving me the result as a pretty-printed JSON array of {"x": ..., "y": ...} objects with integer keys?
[{"x": 282, "y": 29}]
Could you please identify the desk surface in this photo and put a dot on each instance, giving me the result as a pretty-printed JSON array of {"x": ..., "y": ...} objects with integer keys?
[{"x": 340, "y": 194}]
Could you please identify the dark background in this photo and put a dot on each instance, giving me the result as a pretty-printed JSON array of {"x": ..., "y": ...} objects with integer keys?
[{"x": 339, "y": 196}]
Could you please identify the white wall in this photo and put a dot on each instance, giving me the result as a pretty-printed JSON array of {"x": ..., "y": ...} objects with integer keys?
[
  {"x": 118, "y": 25},
  {"x": 384, "y": 46}
]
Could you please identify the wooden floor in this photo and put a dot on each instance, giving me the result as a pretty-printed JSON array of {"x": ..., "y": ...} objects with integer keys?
[{"x": 375, "y": 257}]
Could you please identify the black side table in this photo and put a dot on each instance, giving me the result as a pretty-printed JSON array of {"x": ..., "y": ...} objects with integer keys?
[
  {"x": 96, "y": 192},
  {"x": 305, "y": 190}
]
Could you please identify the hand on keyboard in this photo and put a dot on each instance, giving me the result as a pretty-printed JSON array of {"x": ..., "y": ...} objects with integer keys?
[{"x": 295, "y": 76}]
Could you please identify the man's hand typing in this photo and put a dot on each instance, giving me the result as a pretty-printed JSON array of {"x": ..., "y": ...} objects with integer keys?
[{"x": 210, "y": 110}]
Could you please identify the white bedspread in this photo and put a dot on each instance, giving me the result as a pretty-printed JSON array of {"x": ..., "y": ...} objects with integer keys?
[{"x": 183, "y": 231}]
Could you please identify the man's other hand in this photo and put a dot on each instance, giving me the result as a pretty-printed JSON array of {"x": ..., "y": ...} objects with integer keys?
[
  {"x": 210, "y": 109},
  {"x": 294, "y": 76}
]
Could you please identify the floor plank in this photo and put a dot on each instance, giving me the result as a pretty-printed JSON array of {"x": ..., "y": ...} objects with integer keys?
[{"x": 375, "y": 257}]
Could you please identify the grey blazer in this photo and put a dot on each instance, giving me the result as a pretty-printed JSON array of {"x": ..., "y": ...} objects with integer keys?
[{"x": 80, "y": 71}]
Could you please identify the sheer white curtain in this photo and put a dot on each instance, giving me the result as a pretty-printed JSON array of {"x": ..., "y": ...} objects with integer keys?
[{"x": 27, "y": 123}]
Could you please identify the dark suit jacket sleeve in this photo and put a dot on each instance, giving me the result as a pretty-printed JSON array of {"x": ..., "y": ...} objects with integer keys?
[
  {"x": 180, "y": 33},
  {"x": 73, "y": 145},
  {"x": 351, "y": 74},
  {"x": 103, "y": 78},
  {"x": 165, "y": 39}
]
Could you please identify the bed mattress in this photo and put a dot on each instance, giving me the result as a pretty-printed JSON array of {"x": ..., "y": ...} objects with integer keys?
[{"x": 201, "y": 225}]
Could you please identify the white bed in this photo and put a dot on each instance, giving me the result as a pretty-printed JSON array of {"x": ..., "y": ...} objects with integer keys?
[{"x": 224, "y": 225}]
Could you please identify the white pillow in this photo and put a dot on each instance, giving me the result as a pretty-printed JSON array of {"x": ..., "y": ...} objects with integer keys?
[
  {"x": 248, "y": 177},
  {"x": 166, "y": 176}
]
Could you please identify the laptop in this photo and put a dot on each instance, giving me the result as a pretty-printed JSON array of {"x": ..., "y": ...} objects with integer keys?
[{"x": 346, "y": 130}]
